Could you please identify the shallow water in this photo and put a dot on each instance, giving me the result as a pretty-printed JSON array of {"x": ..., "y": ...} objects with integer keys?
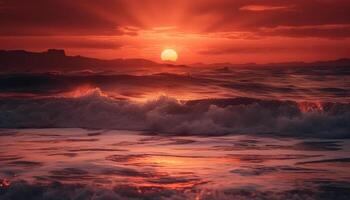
[{"x": 106, "y": 164}]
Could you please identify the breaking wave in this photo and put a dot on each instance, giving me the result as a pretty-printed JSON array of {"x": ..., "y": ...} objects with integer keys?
[{"x": 166, "y": 115}]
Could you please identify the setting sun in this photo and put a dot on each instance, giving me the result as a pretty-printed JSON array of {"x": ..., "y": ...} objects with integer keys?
[{"x": 169, "y": 55}]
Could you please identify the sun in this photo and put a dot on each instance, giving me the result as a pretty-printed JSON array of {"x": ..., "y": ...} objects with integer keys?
[{"x": 169, "y": 55}]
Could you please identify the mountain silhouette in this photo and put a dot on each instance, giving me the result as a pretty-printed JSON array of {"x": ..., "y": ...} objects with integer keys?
[{"x": 55, "y": 59}]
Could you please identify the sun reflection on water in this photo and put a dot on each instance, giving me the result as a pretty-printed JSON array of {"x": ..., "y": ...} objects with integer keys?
[{"x": 196, "y": 165}]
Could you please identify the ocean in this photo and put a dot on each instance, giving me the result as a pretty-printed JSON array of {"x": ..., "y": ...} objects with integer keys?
[{"x": 192, "y": 133}]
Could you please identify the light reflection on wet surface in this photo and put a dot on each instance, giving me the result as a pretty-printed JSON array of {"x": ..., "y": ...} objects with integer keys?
[{"x": 183, "y": 167}]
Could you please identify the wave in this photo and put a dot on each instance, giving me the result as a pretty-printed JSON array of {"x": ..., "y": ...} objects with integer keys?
[
  {"x": 322, "y": 190},
  {"x": 166, "y": 115}
]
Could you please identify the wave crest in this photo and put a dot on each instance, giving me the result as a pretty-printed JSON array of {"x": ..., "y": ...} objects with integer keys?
[{"x": 168, "y": 115}]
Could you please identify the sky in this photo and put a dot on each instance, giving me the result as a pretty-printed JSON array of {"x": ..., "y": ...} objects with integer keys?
[{"x": 206, "y": 31}]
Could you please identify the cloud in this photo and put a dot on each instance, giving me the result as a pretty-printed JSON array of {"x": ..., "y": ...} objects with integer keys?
[
  {"x": 241, "y": 50},
  {"x": 63, "y": 17},
  {"x": 335, "y": 31},
  {"x": 262, "y": 8},
  {"x": 233, "y": 15}
]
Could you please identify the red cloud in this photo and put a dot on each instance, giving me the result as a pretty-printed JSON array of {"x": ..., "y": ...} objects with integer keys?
[{"x": 263, "y": 8}]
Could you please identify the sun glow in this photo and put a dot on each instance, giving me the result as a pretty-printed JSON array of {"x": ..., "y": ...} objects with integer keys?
[{"x": 169, "y": 55}]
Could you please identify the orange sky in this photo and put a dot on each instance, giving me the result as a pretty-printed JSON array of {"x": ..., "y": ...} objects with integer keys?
[{"x": 236, "y": 31}]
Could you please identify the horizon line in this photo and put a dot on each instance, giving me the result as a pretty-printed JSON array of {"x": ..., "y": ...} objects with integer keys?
[{"x": 179, "y": 63}]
